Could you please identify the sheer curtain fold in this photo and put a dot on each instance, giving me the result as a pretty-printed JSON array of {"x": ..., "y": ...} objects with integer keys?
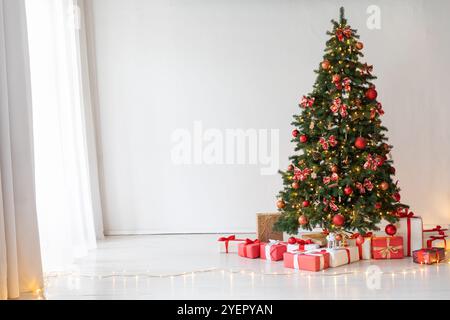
[
  {"x": 67, "y": 189},
  {"x": 20, "y": 263}
]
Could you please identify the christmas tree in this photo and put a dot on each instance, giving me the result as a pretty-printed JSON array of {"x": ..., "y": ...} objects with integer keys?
[{"x": 341, "y": 175}]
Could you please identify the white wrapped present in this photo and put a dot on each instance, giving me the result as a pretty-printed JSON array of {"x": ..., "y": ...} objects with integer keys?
[{"x": 343, "y": 255}]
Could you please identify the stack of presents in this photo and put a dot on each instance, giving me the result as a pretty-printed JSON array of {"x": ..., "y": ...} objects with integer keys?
[{"x": 317, "y": 250}]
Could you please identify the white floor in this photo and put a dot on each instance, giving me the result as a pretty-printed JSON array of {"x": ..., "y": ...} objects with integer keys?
[{"x": 189, "y": 267}]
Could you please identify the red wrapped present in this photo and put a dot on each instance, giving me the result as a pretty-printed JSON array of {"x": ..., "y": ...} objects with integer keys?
[
  {"x": 249, "y": 249},
  {"x": 435, "y": 237},
  {"x": 229, "y": 244},
  {"x": 273, "y": 250},
  {"x": 387, "y": 247},
  {"x": 310, "y": 261},
  {"x": 429, "y": 255}
]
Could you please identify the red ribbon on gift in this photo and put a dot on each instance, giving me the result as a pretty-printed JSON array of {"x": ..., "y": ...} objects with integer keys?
[
  {"x": 432, "y": 238},
  {"x": 359, "y": 245},
  {"x": 437, "y": 229},
  {"x": 227, "y": 240},
  {"x": 408, "y": 215}
]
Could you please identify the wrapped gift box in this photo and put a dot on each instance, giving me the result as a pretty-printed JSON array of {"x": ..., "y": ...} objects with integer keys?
[
  {"x": 410, "y": 228},
  {"x": 264, "y": 227},
  {"x": 302, "y": 245},
  {"x": 387, "y": 247},
  {"x": 435, "y": 237},
  {"x": 310, "y": 261},
  {"x": 342, "y": 255},
  {"x": 249, "y": 249},
  {"x": 364, "y": 249},
  {"x": 317, "y": 237},
  {"x": 437, "y": 242},
  {"x": 229, "y": 244},
  {"x": 429, "y": 255},
  {"x": 273, "y": 250}
]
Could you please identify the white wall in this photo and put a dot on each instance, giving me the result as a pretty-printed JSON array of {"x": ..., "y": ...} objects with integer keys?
[{"x": 245, "y": 64}]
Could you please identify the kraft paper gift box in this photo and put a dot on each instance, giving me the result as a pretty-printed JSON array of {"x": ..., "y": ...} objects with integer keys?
[
  {"x": 272, "y": 251},
  {"x": 310, "y": 261},
  {"x": 264, "y": 227},
  {"x": 249, "y": 249},
  {"x": 229, "y": 244},
  {"x": 387, "y": 247},
  {"x": 435, "y": 237},
  {"x": 410, "y": 228},
  {"x": 302, "y": 245},
  {"x": 364, "y": 249},
  {"x": 429, "y": 255},
  {"x": 342, "y": 255}
]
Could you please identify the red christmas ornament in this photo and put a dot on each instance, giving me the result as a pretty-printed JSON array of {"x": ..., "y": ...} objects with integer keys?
[
  {"x": 360, "y": 143},
  {"x": 392, "y": 170},
  {"x": 396, "y": 196},
  {"x": 359, "y": 240},
  {"x": 303, "y": 138},
  {"x": 371, "y": 94},
  {"x": 306, "y": 204},
  {"x": 359, "y": 45},
  {"x": 290, "y": 167},
  {"x": 338, "y": 237},
  {"x": 336, "y": 78},
  {"x": 334, "y": 168},
  {"x": 295, "y": 133},
  {"x": 281, "y": 204},
  {"x": 390, "y": 229},
  {"x": 325, "y": 64},
  {"x": 338, "y": 220},
  {"x": 348, "y": 190},
  {"x": 302, "y": 220},
  {"x": 295, "y": 185},
  {"x": 292, "y": 240},
  {"x": 378, "y": 205}
]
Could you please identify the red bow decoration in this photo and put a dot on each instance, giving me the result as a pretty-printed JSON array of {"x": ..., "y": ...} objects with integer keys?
[
  {"x": 373, "y": 162},
  {"x": 437, "y": 229},
  {"x": 307, "y": 102},
  {"x": 232, "y": 237},
  {"x": 338, "y": 106},
  {"x": 249, "y": 241},
  {"x": 300, "y": 174},
  {"x": 378, "y": 109},
  {"x": 405, "y": 213},
  {"x": 333, "y": 177},
  {"x": 303, "y": 241},
  {"x": 331, "y": 142},
  {"x": 343, "y": 32},
  {"x": 362, "y": 187},
  {"x": 346, "y": 83},
  {"x": 357, "y": 234},
  {"x": 330, "y": 203},
  {"x": 366, "y": 69}
]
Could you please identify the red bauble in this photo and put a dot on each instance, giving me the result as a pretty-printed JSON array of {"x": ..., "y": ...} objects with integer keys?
[
  {"x": 348, "y": 190},
  {"x": 325, "y": 64},
  {"x": 338, "y": 220},
  {"x": 334, "y": 168},
  {"x": 378, "y": 205},
  {"x": 292, "y": 240},
  {"x": 360, "y": 143},
  {"x": 302, "y": 220},
  {"x": 392, "y": 170},
  {"x": 295, "y": 133},
  {"x": 303, "y": 138},
  {"x": 338, "y": 237},
  {"x": 371, "y": 94},
  {"x": 390, "y": 229},
  {"x": 290, "y": 167},
  {"x": 281, "y": 204},
  {"x": 359, "y": 240},
  {"x": 336, "y": 78},
  {"x": 295, "y": 185},
  {"x": 306, "y": 204},
  {"x": 359, "y": 45},
  {"x": 396, "y": 196},
  {"x": 384, "y": 186}
]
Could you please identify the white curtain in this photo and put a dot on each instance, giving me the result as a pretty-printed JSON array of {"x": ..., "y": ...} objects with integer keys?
[
  {"x": 20, "y": 263},
  {"x": 67, "y": 191}
]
